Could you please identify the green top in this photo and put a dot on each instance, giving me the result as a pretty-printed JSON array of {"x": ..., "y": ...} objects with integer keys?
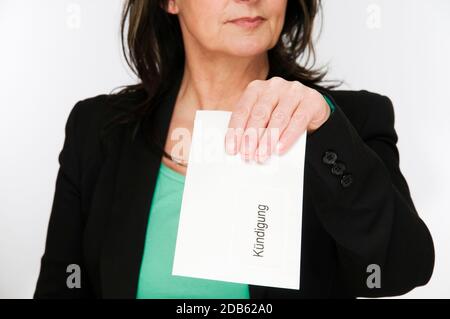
[
  {"x": 331, "y": 105},
  {"x": 155, "y": 277}
]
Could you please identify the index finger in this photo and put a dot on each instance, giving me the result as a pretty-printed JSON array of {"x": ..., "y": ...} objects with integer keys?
[{"x": 239, "y": 118}]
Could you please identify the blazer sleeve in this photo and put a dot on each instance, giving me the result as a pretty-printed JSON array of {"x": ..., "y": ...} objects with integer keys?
[
  {"x": 64, "y": 235},
  {"x": 370, "y": 214}
]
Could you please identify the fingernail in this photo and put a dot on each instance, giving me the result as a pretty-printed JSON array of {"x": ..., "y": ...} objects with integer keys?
[
  {"x": 262, "y": 156},
  {"x": 230, "y": 142},
  {"x": 245, "y": 146},
  {"x": 279, "y": 147},
  {"x": 231, "y": 146}
]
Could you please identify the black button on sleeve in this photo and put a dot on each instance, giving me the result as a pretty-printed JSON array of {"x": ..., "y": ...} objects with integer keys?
[
  {"x": 329, "y": 158},
  {"x": 338, "y": 169},
  {"x": 346, "y": 180}
]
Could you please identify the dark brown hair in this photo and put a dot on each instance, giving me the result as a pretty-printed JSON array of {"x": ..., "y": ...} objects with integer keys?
[{"x": 153, "y": 47}]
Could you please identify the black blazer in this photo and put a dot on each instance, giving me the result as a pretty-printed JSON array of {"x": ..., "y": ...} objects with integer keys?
[{"x": 105, "y": 185}]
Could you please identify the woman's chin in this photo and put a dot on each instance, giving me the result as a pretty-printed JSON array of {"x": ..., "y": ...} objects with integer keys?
[{"x": 247, "y": 49}]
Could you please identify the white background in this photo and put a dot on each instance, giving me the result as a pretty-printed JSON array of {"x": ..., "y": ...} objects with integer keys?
[{"x": 56, "y": 52}]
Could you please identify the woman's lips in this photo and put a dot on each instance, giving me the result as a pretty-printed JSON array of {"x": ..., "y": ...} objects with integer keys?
[{"x": 248, "y": 22}]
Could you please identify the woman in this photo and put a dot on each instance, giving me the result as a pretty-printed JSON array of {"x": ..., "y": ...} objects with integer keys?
[{"x": 114, "y": 218}]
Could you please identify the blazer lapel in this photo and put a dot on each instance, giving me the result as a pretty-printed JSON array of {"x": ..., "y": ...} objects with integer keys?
[{"x": 134, "y": 188}]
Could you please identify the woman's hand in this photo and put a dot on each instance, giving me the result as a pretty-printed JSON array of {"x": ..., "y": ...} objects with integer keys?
[{"x": 271, "y": 115}]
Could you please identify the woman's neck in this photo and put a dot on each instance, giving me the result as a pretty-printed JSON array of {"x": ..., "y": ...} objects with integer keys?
[{"x": 217, "y": 83}]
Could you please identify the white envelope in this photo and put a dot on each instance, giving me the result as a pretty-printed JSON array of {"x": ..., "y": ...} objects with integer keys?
[{"x": 239, "y": 221}]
